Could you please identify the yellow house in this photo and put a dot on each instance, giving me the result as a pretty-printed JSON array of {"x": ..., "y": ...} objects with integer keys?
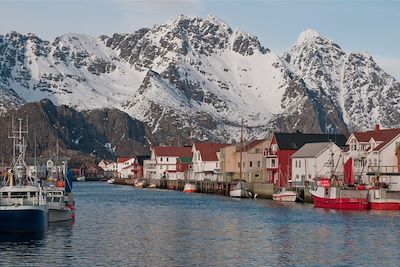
[{"x": 253, "y": 166}]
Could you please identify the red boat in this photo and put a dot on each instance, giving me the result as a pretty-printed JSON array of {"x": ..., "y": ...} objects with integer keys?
[
  {"x": 337, "y": 197},
  {"x": 384, "y": 199},
  {"x": 332, "y": 197}
]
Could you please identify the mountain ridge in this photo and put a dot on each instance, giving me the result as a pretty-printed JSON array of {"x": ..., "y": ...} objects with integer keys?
[{"x": 195, "y": 78}]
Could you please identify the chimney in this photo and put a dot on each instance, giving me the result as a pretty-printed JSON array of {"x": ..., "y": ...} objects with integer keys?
[{"x": 377, "y": 128}]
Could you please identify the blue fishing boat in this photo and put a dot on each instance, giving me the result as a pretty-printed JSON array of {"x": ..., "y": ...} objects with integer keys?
[{"x": 23, "y": 206}]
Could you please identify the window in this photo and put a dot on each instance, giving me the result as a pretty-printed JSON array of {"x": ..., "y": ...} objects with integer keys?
[
  {"x": 216, "y": 165},
  {"x": 297, "y": 177},
  {"x": 167, "y": 159},
  {"x": 353, "y": 145},
  {"x": 295, "y": 162},
  {"x": 273, "y": 163},
  {"x": 244, "y": 164},
  {"x": 299, "y": 163},
  {"x": 160, "y": 159},
  {"x": 251, "y": 164},
  {"x": 257, "y": 150},
  {"x": 258, "y": 164},
  {"x": 257, "y": 175},
  {"x": 238, "y": 164}
]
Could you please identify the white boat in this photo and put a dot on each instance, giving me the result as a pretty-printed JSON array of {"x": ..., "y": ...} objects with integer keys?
[
  {"x": 284, "y": 195},
  {"x": 190, "y": 188},
  {"x": 152, "y": 186},
  {"x": 139, "y": 184},
  {"x": 111, "y": 181},
  {"x": 81, "y": 179},
  {"x": 241, "y": 190},
  {"x": 23, "y": 207},
  {"x": 60, "y": 200},
  {"x": 61, "y": 206}
]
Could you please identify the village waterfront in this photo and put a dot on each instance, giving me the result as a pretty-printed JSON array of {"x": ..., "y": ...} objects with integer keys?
[{"x": 124, "y": 226}]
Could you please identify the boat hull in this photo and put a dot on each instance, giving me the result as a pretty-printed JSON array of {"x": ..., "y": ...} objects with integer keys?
[
  {"x": 240, "y": 193},
  {"x": 383, "y": 199},
  {"x": 285, "y": 197},
  {"x": 190, "y": 188},
  {"x": 23, "y": 219},
  {"x": 60, "y": 215},
  {"x": 341, "y": 203},
  {"x": 336, "y": 198},
  {"x": 384, "y": 205}
]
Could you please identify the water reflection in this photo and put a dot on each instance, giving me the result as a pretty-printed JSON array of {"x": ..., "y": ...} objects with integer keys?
[
  {"x": 22, "y": 237},
  {"x": 123, "y": 226}
]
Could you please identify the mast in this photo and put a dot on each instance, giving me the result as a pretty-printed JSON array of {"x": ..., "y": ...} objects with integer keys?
[{"x": 241, "y": 150}]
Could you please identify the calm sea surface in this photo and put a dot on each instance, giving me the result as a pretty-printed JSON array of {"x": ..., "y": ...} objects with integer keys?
[{"x": 123, "y": 226}]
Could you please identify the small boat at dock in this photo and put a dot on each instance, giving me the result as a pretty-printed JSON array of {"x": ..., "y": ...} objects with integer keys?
[
  {"x": 81, "y": 179},
  {"x": 284, "y": 195},
  {"x": 190, "y": 188},
  {"x": 60, "y": 200},
  {"x": 241, "y": 190},
  {"x": 111, "y": 181}
]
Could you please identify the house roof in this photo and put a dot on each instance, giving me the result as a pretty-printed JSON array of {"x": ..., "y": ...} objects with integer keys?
[
  {"x": 173, "y": 151},
  {"x": 250, "y": 144},
  {"x": 186, "y": 160},
  {"x": 311, "y": 150},
  {"x": 382, "y": 135},
  {"x": 208, "y": 151},
  {"x": 122, "y": 159},
  {"x": 107, "y": 161},
  {"x": 294, "y": 141}
]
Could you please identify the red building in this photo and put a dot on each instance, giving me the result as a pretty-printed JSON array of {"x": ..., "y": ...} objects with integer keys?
[{"x": 284, "y": 145}]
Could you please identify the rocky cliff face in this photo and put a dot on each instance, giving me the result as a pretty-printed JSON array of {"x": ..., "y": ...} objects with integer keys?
[
  {"x": 195, "y": 79},
  {"x": 102, "y": 133}
]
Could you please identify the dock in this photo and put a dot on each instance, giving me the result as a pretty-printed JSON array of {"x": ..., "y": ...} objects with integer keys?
[{"x": 262, "y": 190}]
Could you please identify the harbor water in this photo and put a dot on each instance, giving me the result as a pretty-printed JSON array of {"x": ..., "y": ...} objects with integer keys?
[{"x": 123, "y": 226}]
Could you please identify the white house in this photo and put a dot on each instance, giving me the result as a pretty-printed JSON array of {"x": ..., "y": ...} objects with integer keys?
[
  {"x": 205, "y": 160},
  {"x": 163, "y": 162},
  {"x": 316, "y": 160},
  {"x": 122, "y": 163},
  {"x": 375, "y": 153}
]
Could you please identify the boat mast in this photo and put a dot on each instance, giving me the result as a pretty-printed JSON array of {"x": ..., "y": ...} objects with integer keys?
[{"x": 241, "y": 150}]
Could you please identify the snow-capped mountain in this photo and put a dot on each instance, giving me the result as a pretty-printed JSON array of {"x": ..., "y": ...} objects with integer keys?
[
  {"x": 195, "y": 78},
  {"x": 351, "y": 84}
]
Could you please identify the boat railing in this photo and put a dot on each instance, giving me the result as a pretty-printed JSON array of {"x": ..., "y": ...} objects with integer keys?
[{"x": 12, "y": 201}]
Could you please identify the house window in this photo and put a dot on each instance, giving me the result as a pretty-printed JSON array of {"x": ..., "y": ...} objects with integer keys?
[
  {"x": 167, "y": 159},
  {"x": 295, "y": 162},
  {"x": 273, "y": 163},
  {"x": 299, "y": 163},
  {"x": 244, "y": 164},
  {"x": 160, "y": 159},
  {"x": 353, "y": 145},
  {"x": 216, "y": 165},
  {"x": 238, "y": 164},
  {"x": 257, "y": 175},
  {"x": 251, "y": 164},
  {"x": 257, "y": 150},
  {"x": 258, "y": 164},
  {"x": 297, "y": 177}
]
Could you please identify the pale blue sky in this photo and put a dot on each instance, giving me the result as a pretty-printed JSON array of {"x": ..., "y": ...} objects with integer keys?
[{"x": 371, "y": 26}]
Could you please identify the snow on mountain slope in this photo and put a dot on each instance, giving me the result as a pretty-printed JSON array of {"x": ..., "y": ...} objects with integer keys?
[
  {"x": 357, "y": 87},
  {"x": 195, "y": 78}
]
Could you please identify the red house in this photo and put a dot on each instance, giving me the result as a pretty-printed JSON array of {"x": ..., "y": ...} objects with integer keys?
[{"x": 284, "y": 145}]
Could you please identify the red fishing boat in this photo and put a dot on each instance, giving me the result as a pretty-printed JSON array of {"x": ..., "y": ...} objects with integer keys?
[{"x": 330, "y": 194}]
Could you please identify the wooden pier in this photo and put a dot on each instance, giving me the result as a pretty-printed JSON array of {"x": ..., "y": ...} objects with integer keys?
[{"x": 261, "y": 190}]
